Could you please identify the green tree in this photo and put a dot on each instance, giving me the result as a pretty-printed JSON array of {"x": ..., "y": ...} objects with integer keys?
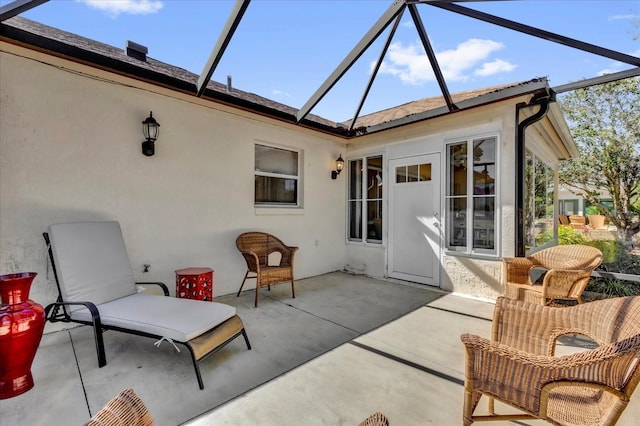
[{"x": 605, "y": 123}]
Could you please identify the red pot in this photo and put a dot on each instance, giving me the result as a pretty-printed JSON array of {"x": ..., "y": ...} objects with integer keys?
[{"x": 21, "y": 326}]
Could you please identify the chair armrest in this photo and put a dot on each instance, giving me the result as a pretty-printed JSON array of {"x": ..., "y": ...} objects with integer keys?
[
  {"x": 252, "y": 259},
  {"x": 497, "y": 369},
  {"x": 162, "y": 285},
  {"x": 517, "y": 269},
  {"x": 288, "y": 254},
  {"x": 52, "y": 313},
  {"x": 55, "y": 316}
]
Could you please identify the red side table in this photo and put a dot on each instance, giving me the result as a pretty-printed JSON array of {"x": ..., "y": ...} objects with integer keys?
[{"x": 194, "y": 283}]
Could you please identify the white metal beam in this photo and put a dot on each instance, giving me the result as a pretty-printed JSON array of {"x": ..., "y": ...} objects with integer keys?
[
  {"x": 221, "y": 45},
  {"x": 606, "y": 78}
]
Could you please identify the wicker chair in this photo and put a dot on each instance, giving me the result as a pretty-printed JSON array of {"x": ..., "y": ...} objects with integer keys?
[
  {"x": 376, "y": 419},
  {"x": 256, "y": 247},
  {"x": 577, "y": 221},
  {"x": 518, "y": 366},
  {"x": 567, "y": 269},
  {"x": 126, "y": 409}
]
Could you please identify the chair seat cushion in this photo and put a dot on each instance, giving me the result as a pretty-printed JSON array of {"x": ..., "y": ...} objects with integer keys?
[{"x": 177, "y": 319}]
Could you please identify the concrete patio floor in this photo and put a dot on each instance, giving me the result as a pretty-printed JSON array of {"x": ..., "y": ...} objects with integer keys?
[{"x": 347, "y": 346}]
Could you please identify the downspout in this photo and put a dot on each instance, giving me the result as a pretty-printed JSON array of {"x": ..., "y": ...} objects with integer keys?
[{"x": 520, "y": 162}]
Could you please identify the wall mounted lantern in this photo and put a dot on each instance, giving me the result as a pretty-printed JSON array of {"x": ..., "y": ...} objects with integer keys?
[
  {"x": 339, "y": 167},
  {"x": 150, "y": 129}
]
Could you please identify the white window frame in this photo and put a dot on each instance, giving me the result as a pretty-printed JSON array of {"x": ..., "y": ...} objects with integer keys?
[
  {"x": 297, "y": 178},
  {"x": 468, "y": 249},
  {"x": 364, "y": 200}
]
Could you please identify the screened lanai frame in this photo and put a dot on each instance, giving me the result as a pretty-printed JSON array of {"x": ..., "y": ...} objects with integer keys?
[{"x": 390, "y": 18}]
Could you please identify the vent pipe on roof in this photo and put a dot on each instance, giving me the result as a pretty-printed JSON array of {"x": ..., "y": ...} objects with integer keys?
[
  {"x": 136, "y": 51},
  {"x": 229, "y": 84}
]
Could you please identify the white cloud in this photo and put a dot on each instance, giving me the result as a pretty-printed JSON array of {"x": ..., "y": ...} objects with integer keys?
[
  {"x": 608, "y": 71},
  {"x": 494, "y": 67},
  {"x": 629, "y": 17},
  {"x": 281, "y": 93},
  {"x": 617, "y": 66},
  {"x": 134, "y": 7},
  {"x": 408, "y": 23},
  {"x": 412, "y": 66}
]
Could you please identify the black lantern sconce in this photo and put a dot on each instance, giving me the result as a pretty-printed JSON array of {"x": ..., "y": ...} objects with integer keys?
[
  {"x": 339, "y": 167},
  {"x": 150, "y": 129}
]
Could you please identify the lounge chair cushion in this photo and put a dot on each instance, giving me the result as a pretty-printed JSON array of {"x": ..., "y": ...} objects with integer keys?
[
  {"x": 177, "y": 319},
  {"x": 92, "y": 262}
]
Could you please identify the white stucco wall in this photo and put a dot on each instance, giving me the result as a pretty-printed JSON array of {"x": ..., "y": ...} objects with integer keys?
[
  {"x": 472, "y": 276},
  {"x": 70, "y": 151}
]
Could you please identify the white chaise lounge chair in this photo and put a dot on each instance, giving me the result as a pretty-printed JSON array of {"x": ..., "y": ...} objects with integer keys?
[{"x": 97, "y": 288}]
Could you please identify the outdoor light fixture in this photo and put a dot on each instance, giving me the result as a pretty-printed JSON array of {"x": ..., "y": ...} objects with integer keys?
[
  {"x": 150, "y": 129},
  {"x": 339, "y": 167}
]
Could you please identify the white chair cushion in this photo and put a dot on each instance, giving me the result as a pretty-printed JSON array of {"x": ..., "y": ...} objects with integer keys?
[
  {"x": 177, "y": 319},
  {"x": 91, "y": 262}
]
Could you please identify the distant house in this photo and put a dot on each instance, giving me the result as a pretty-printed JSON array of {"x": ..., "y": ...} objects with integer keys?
[
  {"x": 427, "y": 195},
  {"x": 571, "y": 203}
]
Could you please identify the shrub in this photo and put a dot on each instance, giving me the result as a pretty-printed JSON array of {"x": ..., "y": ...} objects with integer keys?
[
  {"x": 566, "y": 235},
  {"x": 615, "y": 259},
  {"x": 612, "y": 288},
  {"x": 611, "y": 250},
  {"x": 591, "y": 210}
]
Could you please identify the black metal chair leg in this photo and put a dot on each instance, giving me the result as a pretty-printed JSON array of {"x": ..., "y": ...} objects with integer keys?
[
  {"x": 102, "y": 358},
  {"x": 97, "y": 333},
  {"x": 246, "y": 339}
]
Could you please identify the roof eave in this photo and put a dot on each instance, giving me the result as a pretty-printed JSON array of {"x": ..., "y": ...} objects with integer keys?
[
  {"x": 556, "y": 117},
  {"x": 29, "y": 40},
  {"x": 533, "y": 86}
]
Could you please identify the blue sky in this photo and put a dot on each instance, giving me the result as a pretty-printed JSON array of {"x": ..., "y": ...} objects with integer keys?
[{"x": 284, "y": 50}]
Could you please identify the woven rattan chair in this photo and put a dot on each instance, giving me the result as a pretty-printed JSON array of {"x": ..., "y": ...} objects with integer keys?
[
  {"x": 256, "y": 248},
  {"x": 126, "y": 409},
  {"x": 567, "y": 269},
  {"x": 577, "y": 221},
  {"x": 376, "y": 419},
  {"x": 518, "y": 366}
]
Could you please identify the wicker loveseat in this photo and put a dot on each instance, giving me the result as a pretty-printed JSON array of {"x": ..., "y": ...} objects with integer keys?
[
  {"x": 518, "y": 367},
  {"x": 566, "y": 270},
  {"x": 257, "y": 248}
]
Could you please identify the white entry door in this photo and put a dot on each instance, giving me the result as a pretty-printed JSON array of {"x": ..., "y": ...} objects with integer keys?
[{"x": 414, "y": 219}]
